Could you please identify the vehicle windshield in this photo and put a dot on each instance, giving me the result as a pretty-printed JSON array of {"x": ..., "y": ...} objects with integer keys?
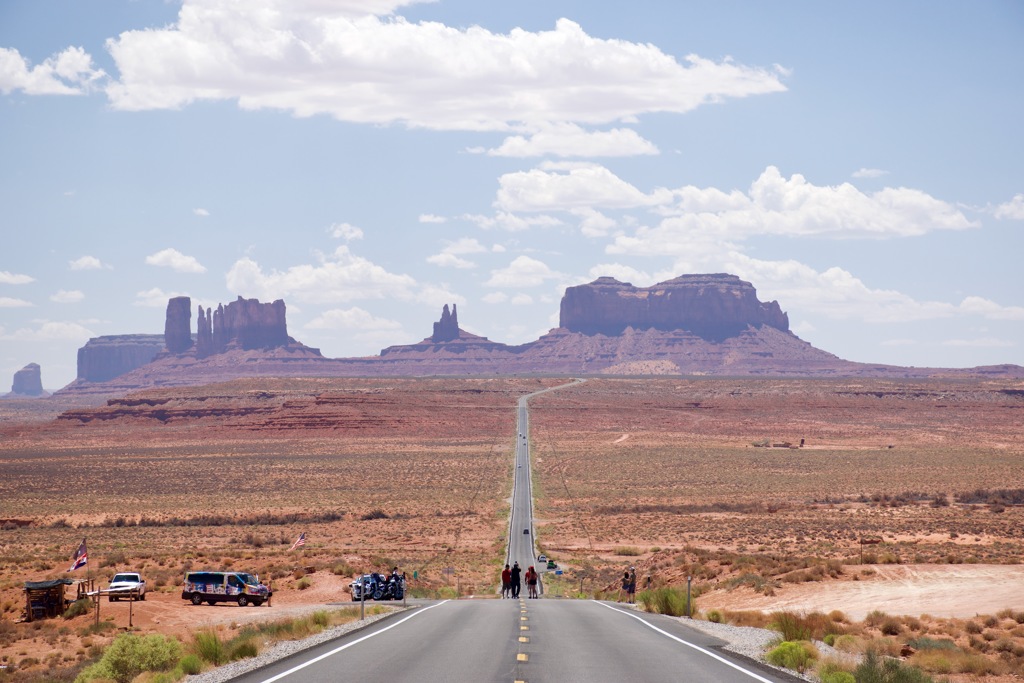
[
  {"x": 124, "y": 577},
  {"x": 249, "y": 579}
]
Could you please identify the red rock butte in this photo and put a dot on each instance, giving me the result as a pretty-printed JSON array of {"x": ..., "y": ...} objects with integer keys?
[{"x": 708, "y": 324}]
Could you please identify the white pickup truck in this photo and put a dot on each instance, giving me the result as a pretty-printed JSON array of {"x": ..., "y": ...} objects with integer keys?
[{"x": 123, "y": 584}]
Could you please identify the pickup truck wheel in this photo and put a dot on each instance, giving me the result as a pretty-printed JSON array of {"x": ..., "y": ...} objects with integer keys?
[
  {"x": 242, "y": 601},
  {"x": 197, "y": 599},
  {"x": 112, "y": 599},
  {"x": 142, "y": 597},
  {"x": 257, "y": 603}
]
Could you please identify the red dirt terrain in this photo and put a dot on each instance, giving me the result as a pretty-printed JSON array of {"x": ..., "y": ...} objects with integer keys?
[{"x": 680, "y": 477}]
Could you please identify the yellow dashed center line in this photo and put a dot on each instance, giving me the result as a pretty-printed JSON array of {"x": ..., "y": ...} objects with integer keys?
[
  {"x": 522, "y": 657},
  {"x": 524, "y": 639}
]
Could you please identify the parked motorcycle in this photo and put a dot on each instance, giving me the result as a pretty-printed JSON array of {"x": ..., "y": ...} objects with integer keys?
[{"x": 378, "y": 587}]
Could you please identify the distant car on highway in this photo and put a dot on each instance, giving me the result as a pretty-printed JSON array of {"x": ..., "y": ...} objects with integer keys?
[
  {"x": 125, "y": 583},
  {"x": 541, "y": 559}
]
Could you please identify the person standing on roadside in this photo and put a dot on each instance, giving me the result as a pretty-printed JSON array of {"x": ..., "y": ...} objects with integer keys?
[
  {"x": 624, "y": 589},
  {"x": 531, "y": 582},
  {"x": 631, "y": 589},
  {"x": 506, "y": 582},
  {"x": 517, "y": 575}
]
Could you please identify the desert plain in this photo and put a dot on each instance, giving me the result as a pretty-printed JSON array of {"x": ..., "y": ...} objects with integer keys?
[{"x": 829, "y": 494}]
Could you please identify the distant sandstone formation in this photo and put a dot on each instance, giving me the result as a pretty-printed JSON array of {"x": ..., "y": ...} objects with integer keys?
[
  {"x": 178, "y": 325},
  {"x": 28, "y": 381},
  {"x": 691, "y": 325},
  {"x": 107, "y": 357},
  {"x": 447, "y": 328},
  {"x": 713, "y": 307},
  {"x": 244, "y": 323}
]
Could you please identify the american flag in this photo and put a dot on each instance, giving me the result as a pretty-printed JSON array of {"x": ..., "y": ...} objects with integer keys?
[
  {"x": 300, "y": 541},
  {"x": 80, "y": 558}
]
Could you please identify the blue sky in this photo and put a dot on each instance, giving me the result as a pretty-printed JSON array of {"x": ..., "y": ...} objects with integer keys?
[{"x": 370, "y": 160}]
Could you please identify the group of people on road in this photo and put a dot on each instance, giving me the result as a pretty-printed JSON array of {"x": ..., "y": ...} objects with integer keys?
[{"x": 511, "y": 581}]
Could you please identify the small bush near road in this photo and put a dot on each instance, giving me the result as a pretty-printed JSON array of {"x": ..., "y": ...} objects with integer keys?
[
  {"x": 190, "y": 665},
  {"x": 671, "y": 601},
  {"x": 791, "y": 625},
  {"x": 875, "y": 669},
  {"x": 78, "y": 608},
  {"x": 130, "y": 655},
  {"x": 831, "y": 671},
  {"x": 208, "y": 646},
  {"x": 793, "y": 655}
]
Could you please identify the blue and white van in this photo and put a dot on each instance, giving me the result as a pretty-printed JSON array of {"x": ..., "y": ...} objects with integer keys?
[{"x": 213, "y": 587}]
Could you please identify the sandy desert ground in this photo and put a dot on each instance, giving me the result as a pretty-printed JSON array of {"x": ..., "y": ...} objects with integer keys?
[{"x": 679, "y": 477}]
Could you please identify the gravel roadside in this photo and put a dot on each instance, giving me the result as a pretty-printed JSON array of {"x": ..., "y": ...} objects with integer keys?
[
  {"x": 753, "y": 643},
  {"x": 282, "y": 649}
]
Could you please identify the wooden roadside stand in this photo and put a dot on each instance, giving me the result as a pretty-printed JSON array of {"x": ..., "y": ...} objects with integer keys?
[{"x": 45, "y": 599}]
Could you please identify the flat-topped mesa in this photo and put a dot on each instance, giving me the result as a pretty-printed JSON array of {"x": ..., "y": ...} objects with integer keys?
[
  {"x": 447, "y": 329},
  {"x": 713, "y": 307},
  {"x": 28, "y": 381},
  {"x": 244, "y": 323},
  {"x": 107, "y": 357}
]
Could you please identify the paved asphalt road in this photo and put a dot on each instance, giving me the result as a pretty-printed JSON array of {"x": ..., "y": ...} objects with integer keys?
[{"x": 518, "y": 640}]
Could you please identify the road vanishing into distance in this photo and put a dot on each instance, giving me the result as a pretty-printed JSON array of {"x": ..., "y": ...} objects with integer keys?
[{"x": 534, "y": 641}]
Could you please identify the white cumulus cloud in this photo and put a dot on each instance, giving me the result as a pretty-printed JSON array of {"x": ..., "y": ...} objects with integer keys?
[
  {"x": 521, "y": 273},
  {"x": 1013, "y": 209},
  {"x": 869, "y": 173},
  {"x": 69, "y": 72},
  {"x": 504, "y": 220},
  {"x": 570, "y": 140},
  {"x": 155, "y": 297},
  {"x": 346, "y": 231},
  {"x": 313, "y": 57},
  {"x": 449, "y": 260},
  {"x": 566, "y": 186},
  {"x": 52, "y": 331},
  {"x": 202, "y": 213},
  {"x": 431, "y": 218},
  {"x": 838, "y": 294},
  {"x": 8, "y": 278},
  {"x": 449, "y": 257},
  {"x": 87, "y": 263},
  {"x": 64, "y": 296},
  {"x": 9, "y": 302},
  {"x": 175, "y": 260},
  {"x": 338, "y": 277},
  {"x": 710, "y": 221}
]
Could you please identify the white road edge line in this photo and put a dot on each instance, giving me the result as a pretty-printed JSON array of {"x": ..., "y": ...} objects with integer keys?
[
  {"x": 336, "y": 650},
  {"x": 687, "y": 644}
]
